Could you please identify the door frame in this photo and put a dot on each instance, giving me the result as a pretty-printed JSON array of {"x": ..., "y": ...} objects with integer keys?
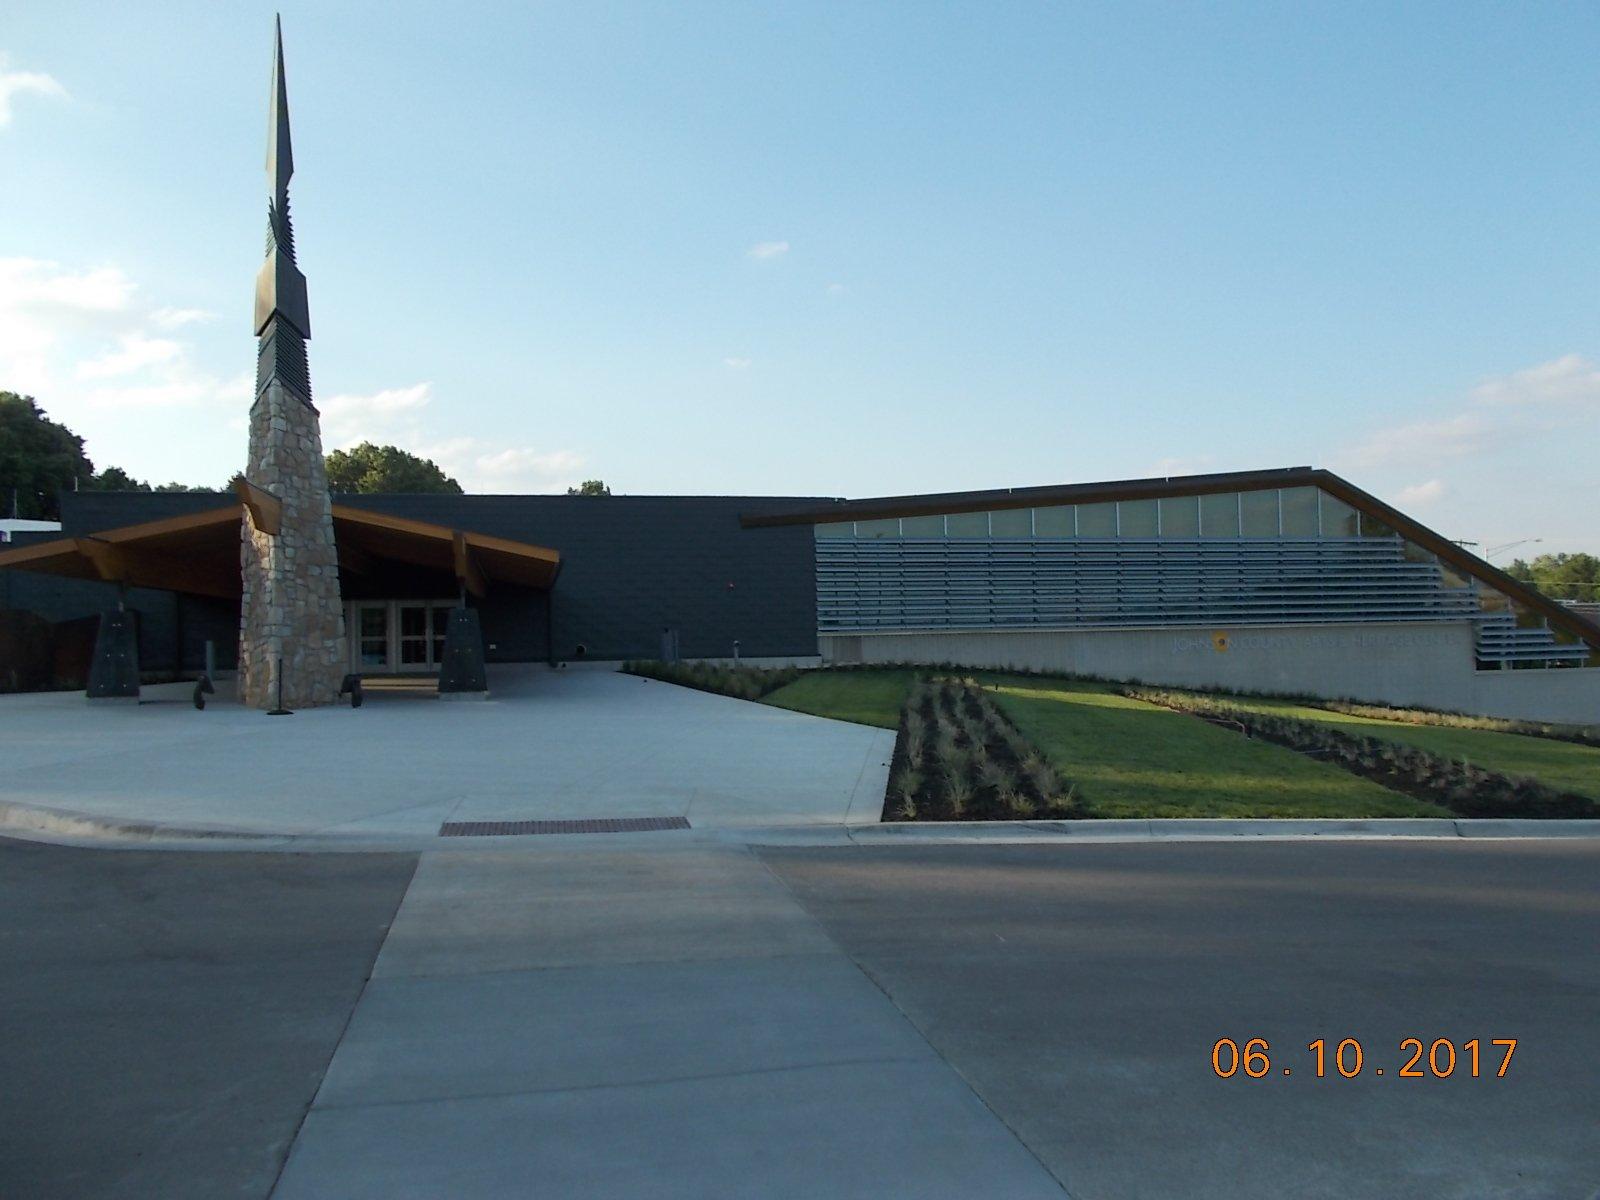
[{"x": 392, "y": 637}]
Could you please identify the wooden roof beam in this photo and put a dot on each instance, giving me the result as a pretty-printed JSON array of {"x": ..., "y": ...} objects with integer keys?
[
  {"x": 265, "y": 509},
  {"x": 468, "y": 570}
]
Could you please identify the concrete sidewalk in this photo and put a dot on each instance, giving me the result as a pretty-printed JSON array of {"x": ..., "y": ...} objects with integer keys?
[{"x": 666, "y": 1023}]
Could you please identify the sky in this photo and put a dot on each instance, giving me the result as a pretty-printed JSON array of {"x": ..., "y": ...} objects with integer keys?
[{"x": 833, "y": 249}]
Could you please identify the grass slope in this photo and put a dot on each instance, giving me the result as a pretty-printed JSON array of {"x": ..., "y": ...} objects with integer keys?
[
  {"x": 1133, "y": 759},
  {"x": 1564, "y": 765},
  {"x": 865, "y": 697}
]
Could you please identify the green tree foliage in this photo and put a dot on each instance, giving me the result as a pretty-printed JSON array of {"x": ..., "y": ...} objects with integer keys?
[
  {"x": 114, "y": 479},
  {"x": 39, "y": 459},
  {"x": 370, "y": 468},
  {"x": 590, "y": 487},
  {"x": 1564, "y": 576}
]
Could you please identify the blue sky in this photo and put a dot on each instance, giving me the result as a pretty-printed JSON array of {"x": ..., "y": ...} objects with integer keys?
[{"x": 843, "y": 249}]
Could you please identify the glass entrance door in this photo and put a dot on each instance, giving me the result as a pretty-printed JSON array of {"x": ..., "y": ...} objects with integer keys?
[
  {"x": 372, "y": 637},
  {"x": 414, "y": 647},
  {"x": 398, "y": 636}
]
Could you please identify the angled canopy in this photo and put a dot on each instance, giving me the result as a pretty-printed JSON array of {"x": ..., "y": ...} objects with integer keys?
[{"x": 198, "y": 553}]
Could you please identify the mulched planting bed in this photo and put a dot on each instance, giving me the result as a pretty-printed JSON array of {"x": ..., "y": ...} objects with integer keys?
[
  {"x": 959, "y": 758},
  {"x": 742, "y": 683}
]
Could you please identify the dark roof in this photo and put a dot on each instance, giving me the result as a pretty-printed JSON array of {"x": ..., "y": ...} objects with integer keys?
[
  {"x": 1029, "y": 497},
  {"x": 883, "y": 507}
]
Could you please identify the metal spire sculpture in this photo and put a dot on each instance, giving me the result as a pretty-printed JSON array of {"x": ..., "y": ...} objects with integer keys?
[
  {"x": 283, "y": 320},
  {"x": 292, "y": 647}
]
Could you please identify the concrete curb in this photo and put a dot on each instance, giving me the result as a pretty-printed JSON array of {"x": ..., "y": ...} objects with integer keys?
[
  {"x": 1188, "y": 829},
  {"x": 55, "y": 825},
  {"x": 46, "y": 823}
]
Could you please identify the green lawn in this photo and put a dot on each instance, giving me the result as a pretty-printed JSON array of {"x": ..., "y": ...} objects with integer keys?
[
  {"x": 1131, "y": 759},
  {"x": 865, "y": 697},
  {"x": 1128, "y": 758},
  {"x": 1564, "y": 765}
]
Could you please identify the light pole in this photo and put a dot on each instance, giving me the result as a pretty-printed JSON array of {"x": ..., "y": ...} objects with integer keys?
[{"x": 1493, "y": 550}]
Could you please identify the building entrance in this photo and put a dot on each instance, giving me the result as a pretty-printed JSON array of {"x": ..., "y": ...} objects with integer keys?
[{"x": 397, "y": 637}]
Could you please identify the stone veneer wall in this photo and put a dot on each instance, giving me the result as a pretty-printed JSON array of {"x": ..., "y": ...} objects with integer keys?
[{"x": 291, "y": 604}]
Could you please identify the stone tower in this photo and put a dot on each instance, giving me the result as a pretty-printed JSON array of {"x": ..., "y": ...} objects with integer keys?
[{"x": 291, "y": 612}]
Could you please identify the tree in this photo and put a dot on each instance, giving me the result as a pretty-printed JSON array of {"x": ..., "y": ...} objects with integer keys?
[
  {"x": 114, "y": 479},
  {"x": 1563, "y": 576},
  {"x": 370, "y": 468},
  {"x": 39, "y": 459},
  {"x": 590, "y": 487}
]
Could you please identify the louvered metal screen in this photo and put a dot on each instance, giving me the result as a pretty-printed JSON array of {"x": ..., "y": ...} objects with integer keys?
[{"x": 909, "y": 583}]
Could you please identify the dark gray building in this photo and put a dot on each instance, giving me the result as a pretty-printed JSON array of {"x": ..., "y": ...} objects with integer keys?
[{"x": 631, "y": 567}]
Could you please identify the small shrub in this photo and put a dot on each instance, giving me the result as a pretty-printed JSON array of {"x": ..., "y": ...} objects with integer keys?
[
  {"x": 1016, "y": 803},
  {"x": 957, "y": 790},
  {"x": 916, "y": 731},
  {"x": 906, "y": 786},
  {"x": 994, "y": 776},
  {"x": 1042, "y": 776}
]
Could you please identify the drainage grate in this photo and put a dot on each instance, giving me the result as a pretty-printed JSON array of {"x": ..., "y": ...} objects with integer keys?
[{"x": 586, "y": 825}]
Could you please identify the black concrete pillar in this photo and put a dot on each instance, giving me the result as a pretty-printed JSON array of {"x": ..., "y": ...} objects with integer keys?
[
  {"x": 114, "y": 670},
  {"x": 462, "y": 675}
]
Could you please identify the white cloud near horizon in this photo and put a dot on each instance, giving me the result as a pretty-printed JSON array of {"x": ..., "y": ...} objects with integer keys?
[
  {"x": 1498, "y": 411},
  {"x": 1506, "y": 456},
  {"x": 381, "y": 416},
  {"x": 1198, "y": 464},
  {"x": 736, "y": 364},
  {"x": 22, "y": 83},
  {"x": 135, "y": 351},
  {"x": 482, "y": 466},
  {"x": 766, "y": 250},
  {"x": 396, "y": 416},
  {"x": 1419, "y": 495},
  {"x": 1444, "y": 438},
  {"x": 62, "y": 327},
  {"x": 1570, "y": 379}
]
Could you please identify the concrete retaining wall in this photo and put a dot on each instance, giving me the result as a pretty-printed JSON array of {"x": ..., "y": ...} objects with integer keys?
[{"x": 1427, "y": 665}]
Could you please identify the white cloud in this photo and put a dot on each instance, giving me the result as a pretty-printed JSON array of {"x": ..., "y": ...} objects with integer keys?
[
  {"x": 135, "y": 352},
  {"x": 62, "y": 327},
  {"x": 836, "y": 289},
  {"x": 398, "y": 416},
  {"x": 1196, "y": 464},
  {"x": 176, "y": 318},
  {"x": 43, "y": 304},
  {"x": 37, "y": 285},
  {"x": 765, "y": 250},
  {"x": 483, "y": 466},
  {"x": 1420, "y": 494},
  {"x": 384, "y": 416},
  {"x": 519, "y": 461},
  {"x": 1570, "y": 379},
  {"x": 1450, "y": 437},
  {"x": 736, "y": 364},
  {"x": 20, "y": 83}
]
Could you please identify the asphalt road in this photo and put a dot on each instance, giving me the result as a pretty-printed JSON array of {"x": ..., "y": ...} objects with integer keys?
[
  {"x": 165, "y": 1019},
  {"x": 1080, "y": 991}
]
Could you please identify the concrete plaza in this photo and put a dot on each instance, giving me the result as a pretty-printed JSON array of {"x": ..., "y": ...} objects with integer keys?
[{"x": 546, "y": 745}]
